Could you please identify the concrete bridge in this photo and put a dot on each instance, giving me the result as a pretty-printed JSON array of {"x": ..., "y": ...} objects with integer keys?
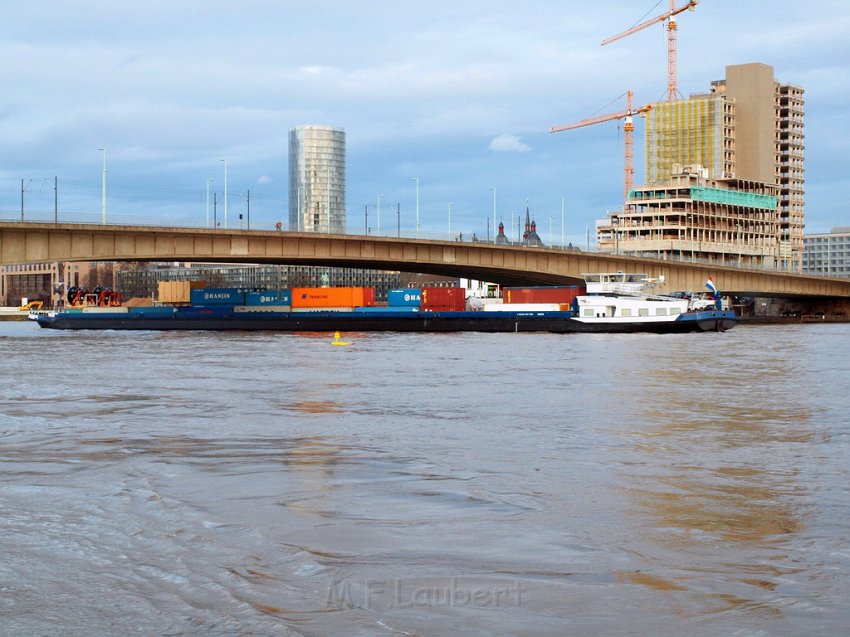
[{"x": 27, "y": 242}]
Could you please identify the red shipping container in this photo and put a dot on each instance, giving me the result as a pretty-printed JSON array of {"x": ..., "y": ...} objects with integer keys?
[
  {"x": 443, "y": 300},
  {"x": 547, "y": 294}
]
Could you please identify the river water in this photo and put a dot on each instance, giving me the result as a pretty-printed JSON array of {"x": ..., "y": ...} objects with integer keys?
[{"x": 468, "y": 484}]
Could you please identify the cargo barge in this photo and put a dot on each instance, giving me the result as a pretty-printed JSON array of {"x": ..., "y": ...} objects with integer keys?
[{"x": 610, "y": 305}]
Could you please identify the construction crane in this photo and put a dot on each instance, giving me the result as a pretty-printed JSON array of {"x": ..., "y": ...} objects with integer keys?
[
  {"x": 628, "y": 136},
  {"x": 670, "y": 16}
]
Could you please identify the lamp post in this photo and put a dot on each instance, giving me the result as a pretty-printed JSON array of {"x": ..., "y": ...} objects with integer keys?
[
  {"x": 562, "y": 220},
  {"x": 450, "y": 221},
  {"x": 225, "y": 193},
  {"x": 379, "y": 215},
  {"x": 416, "y": 179},
  {"x": 494, "y": 212},
  {"x": 103, "y": 189},
  {"x": 209, "y": 181}
]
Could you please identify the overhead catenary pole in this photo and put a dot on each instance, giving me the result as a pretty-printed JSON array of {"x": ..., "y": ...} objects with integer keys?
[
  {"x": 209, "y": 180},
  {"x": 416, "y": 179},
  {"x": 450, "y": 220},
  {"x": 398, "y": 219},
  {"x": 378, "y": 231},
  {"x": 494, "y": 212},
  {"x": 562, "y": 221},
  {"x": 248, "y": 210},
  {"x": 56, "y": 199}
]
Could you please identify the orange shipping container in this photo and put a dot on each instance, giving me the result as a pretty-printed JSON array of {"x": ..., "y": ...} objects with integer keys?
[{"x": 332, "y": 297}]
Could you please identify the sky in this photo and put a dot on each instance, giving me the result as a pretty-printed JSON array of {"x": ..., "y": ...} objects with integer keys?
[{"x": 459, "y": 95}]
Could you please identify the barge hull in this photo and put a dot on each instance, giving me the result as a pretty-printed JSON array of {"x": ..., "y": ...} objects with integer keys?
[{"x": 554, "y": 322}]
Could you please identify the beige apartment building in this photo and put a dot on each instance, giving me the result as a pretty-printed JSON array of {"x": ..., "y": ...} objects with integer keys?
[
  {"x": 747, "y": 133},
  {"x": 695, "y": 218}
]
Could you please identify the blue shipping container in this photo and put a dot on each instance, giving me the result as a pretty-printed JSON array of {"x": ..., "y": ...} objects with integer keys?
[
  {"x": 269, "y": 297},
  {"x": 218, "y": 296},
  {"x": 410, "y": 297}
]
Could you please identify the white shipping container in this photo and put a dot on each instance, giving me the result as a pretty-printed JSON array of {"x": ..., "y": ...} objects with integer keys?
[
  {"x": 323, "y": 309},
  {"x": 262, "y": 308},
  {"x": 105, "y": 310},
  {"x": 522, "y": 307}
]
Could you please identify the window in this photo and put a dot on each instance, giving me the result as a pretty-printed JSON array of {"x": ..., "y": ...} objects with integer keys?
[
  {"x": 644, "y": 311},
  {"x": 675, "y": 310},
  {"x": 626, "y": 311},
  {"x": 588, "y": 311}
]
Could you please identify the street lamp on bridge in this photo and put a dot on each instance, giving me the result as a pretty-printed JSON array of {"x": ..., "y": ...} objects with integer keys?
[
  {"x": 416, "y": 180},
  {"x": 225, "y": 193}
]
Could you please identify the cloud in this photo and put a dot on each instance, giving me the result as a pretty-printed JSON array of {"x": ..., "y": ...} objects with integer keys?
[
  {"x": 508, "y": 144},
  {"x": 264, "y": 179}
]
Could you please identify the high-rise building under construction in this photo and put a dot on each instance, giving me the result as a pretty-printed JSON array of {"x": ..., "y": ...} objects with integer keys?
[
  {"x": 317, "y": 179},
  {"x": 749, "y": 127}
]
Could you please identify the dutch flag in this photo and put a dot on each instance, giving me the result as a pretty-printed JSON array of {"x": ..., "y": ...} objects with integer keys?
[{"x": 711, "y": 287}]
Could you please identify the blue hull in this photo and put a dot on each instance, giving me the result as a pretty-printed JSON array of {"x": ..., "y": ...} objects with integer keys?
[{"x": 190, "y": 318}]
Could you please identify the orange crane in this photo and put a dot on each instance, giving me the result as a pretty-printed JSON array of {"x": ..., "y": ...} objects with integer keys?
[
  {"x": 628, "y": 136},
  {"x": 670, "y": 16}
]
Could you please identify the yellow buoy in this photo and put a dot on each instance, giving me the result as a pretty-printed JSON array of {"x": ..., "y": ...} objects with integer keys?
[{"x": 336, "y": 340}]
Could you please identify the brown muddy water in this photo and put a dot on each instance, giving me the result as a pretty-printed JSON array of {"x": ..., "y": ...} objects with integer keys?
[{"x": 468, "y": 484}]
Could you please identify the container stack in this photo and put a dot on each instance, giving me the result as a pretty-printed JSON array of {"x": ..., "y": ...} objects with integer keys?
[{"x": 404, "y": 300}]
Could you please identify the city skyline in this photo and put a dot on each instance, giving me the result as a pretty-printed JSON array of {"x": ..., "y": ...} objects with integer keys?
[{"x": 458, "y": 97}]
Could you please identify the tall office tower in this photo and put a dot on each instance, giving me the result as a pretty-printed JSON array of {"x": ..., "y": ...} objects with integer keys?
[
  {"x": 317, "y": 179},
  {"x": 750, "y": 127}
]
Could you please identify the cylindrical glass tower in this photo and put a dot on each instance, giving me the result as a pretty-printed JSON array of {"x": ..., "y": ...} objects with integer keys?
[{"x": 317, "y": 179}]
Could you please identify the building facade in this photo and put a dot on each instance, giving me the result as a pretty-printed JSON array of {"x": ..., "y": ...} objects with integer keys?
[
  {"x": 695, "y": 218},
  {"x": 317, "y": 179},
  {"x": 749, "y": 127},
  {"x": 827, "y": 254}
]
